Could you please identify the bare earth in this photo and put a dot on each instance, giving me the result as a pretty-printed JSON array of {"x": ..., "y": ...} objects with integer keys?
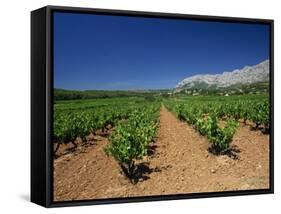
[{"x": 181, "y": 163}]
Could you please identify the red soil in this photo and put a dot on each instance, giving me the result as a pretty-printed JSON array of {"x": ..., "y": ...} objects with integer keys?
[{"x": 181, "y": 163}]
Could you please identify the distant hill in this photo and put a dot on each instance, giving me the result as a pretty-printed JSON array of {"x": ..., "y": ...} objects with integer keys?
[
  {"x": 254, "y": 88},
  {"x": 63, "y": 94},
  {"x": 247, "y": 78}
]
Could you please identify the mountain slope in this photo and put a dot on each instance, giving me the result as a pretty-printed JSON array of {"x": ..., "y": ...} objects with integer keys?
[{"x": 247, "y": 75}]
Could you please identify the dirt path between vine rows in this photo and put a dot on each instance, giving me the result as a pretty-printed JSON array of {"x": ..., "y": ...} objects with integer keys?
[{"x": 181, "y": 163}]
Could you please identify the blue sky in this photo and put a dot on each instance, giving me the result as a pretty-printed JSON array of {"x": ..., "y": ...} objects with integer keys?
[{"x": 119, "y": 53}]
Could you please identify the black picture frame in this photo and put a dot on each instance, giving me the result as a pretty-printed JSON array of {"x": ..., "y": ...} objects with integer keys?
[{"x": 42, "y": 99}]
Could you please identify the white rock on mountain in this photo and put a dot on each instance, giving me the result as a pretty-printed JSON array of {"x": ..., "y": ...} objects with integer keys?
[{"x": 246, "y": 75}]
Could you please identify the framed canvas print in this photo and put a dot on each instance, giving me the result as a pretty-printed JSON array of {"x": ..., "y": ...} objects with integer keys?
[{"x": 134, "y": 106}]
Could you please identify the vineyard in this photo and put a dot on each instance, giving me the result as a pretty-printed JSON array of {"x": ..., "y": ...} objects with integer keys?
[
  {"x": 205, "y": 116},
  {"x": 131, "y": 126}
]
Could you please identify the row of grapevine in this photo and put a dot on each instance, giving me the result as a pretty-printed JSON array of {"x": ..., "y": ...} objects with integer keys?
[
  {"x": 257, "y": 112},
  {"x": 131, "y": 138},
  {"x": 254, "y": 110},
  {"x": 220, "y": 137},
  {"x": 70, "y": 124}
]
